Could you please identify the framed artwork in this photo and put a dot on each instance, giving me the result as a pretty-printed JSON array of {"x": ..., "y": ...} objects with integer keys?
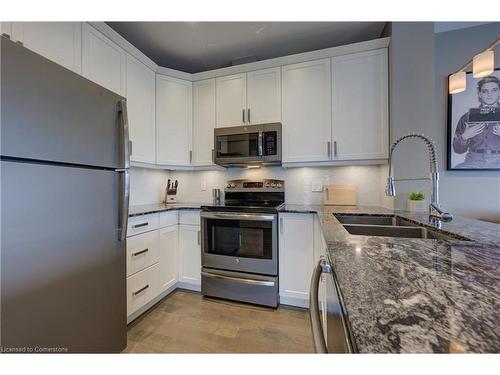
[{"x": 474, "y": 125}]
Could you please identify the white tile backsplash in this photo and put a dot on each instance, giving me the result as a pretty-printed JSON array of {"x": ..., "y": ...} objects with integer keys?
[
  {"x": 298, "y": 182},
  {"x": 147, "y": 185}
]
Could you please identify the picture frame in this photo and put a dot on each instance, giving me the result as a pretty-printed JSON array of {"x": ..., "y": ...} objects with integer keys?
[{"x": 473, "y": 129}]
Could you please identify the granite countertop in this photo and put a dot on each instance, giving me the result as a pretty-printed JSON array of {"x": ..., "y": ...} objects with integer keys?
[
  {"x": 405, "y": 295},
  {"x": 144, "y": 209}
]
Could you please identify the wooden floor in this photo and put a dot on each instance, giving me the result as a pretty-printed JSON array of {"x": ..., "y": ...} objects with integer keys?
[{"x": 186, "y": 322}]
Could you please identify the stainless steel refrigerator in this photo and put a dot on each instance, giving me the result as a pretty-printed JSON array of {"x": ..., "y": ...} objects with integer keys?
[{"x": 64, "y": 208}]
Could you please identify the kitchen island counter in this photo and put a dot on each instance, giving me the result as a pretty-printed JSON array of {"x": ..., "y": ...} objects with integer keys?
[{"x": 405, "y": 295}]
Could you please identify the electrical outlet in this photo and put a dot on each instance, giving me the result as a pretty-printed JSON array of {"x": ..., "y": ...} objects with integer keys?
[
  {"x": 203, "y": 185},
  {"x": 316, "y": 186}
]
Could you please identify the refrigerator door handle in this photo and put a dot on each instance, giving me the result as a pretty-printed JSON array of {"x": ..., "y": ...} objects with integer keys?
[
  {"x": 124, "y": 177},
  {"x": 124, "y": 136}
]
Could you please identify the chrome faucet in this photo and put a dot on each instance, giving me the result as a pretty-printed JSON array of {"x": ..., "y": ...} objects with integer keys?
[{"x": 436, "y": 214}]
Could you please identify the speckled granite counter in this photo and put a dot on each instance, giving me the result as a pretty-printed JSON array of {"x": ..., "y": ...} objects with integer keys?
[
  {"x": 417, "y": 295},
  {"x": 144, "y": 209}
]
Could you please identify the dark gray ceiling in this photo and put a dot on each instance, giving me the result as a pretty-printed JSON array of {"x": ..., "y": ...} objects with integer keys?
[{"x": 200, "y": 46}]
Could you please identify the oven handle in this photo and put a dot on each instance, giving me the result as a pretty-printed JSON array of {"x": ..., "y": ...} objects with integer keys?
[
  {"x": 236, "y": 216},
  {"x": 238, "y": 280}
]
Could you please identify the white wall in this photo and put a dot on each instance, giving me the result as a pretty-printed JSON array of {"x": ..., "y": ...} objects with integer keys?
[
  {"x": 369, "y": 180},
  {"x": 420, "y": 62}
]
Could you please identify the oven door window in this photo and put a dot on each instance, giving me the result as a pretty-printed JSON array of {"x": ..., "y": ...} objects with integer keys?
[
  {"x": 238, "y": 145},
  {"x": 240, "y": 238}
]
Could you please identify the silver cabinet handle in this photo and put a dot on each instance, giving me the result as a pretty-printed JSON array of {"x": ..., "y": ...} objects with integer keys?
[
  {"x": 141, "y": 290},
  {"x": 329, "y": 149},
  {"x": 199, "y": 237},
  {"x": 124, "y": 183},
  {"x": 140, "y": 252},
  {"x": 248, "y": 115},
  {"x": 130, "y": 147},
  {"x": 124, "y": 136},
  {"x": 140, "y": 225},
  {"x": 260, "y": 144},
  {"x": 282, "y": 230},
  {"x": 317, "y": 330},
  {"x": 213, "y": 156},
  {"x": 243, "y": 115},
  {"x": 335, "y": 148},
  {"x": 238, "y": 280},
  {"x": 190, "y": 156}
]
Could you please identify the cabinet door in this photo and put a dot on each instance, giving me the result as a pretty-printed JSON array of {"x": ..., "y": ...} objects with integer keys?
[
  {"x": 307, "y": 111},
  {"x": 231, "y": 100},
  {"x": 296, "y": 255},
  {"x": 203, "y": 121},
  {"x": 103, "y": 61},
  {"x": 6, "y": 28},
  {"x": 360, "y": 105},
  {"x": 168, "y": 257},
  {"x": 190, "y": 255},
  {"x": 264, "y": 96},
  {"x": 173, "y": 120},
  {"x": 140, "y": 93},
  {"x": 60, "y": 42}
]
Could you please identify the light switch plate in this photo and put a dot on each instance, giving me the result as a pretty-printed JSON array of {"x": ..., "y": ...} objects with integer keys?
[
  {"x": 203, "y": 185},
  {"x": 316, "y": 186}
]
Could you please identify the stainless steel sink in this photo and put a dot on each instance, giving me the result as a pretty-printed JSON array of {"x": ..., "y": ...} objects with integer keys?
[
  {"x": 391, "y": 226},
  {"x": 365, "y": 219}
]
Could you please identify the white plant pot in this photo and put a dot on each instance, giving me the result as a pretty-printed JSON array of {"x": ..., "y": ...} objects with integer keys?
[{"x": 416, "y": 206}]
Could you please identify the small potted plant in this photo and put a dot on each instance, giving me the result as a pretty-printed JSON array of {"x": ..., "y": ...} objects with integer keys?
[{"x": 416, "y": 202}]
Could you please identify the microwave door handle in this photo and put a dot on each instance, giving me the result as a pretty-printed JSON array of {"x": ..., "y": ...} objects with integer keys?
[{"x": 260, "y": 144}]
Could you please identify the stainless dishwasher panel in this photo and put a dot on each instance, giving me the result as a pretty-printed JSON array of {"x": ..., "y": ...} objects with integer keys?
[
  {"x": 338, "y": 338},
  {"x": 243, "y": 287}
]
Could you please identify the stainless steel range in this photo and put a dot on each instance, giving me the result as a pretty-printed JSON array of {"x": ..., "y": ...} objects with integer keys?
[{"x": 240, "y": 242}]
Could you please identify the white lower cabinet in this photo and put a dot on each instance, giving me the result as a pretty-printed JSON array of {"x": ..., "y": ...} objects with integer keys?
[
  {"x": 142, "y": 287},
  {"x": 296, "y": 258},
  {"x": 142, "y": 251},
  {"x": 190, "y": 257},
  {"x": 168, "y": 257},
  {"x": 163, "y": 253}
]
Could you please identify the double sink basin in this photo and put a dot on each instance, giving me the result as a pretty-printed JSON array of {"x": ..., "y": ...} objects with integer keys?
[{"x": 390, "y": 226}]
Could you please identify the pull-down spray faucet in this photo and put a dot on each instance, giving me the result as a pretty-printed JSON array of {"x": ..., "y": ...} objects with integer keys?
[{"x": 436, "y": 214}]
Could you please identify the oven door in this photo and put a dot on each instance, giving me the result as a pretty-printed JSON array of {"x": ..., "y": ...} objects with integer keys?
[
  {"x": 245, "y": 242},
  {"x": 238, "y": 145}
]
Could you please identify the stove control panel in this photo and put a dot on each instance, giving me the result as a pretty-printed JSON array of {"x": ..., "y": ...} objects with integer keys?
[{"x": 255, "y": 185}]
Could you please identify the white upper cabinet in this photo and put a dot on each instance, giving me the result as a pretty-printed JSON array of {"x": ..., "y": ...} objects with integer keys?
[
  {"x": 103, "y": 61},
  {"x": 306, "y": 95},
  {"x": 140, "y": 93},
  {"x": 60, "y": 42},
  {"x": 264, "y": 96},
  {"x": 249, "y": 98},
  {"x": 231, "y": 100},
  {"x": 174, "y": 111},
  {"x": 203, "y": 121},
  {"x": 360, "y": 105},
  {"x": 6, "y": 28}
]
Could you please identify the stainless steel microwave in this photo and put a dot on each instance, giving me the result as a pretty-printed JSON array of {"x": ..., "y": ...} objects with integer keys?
[{"x": 248, "y": 145}]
